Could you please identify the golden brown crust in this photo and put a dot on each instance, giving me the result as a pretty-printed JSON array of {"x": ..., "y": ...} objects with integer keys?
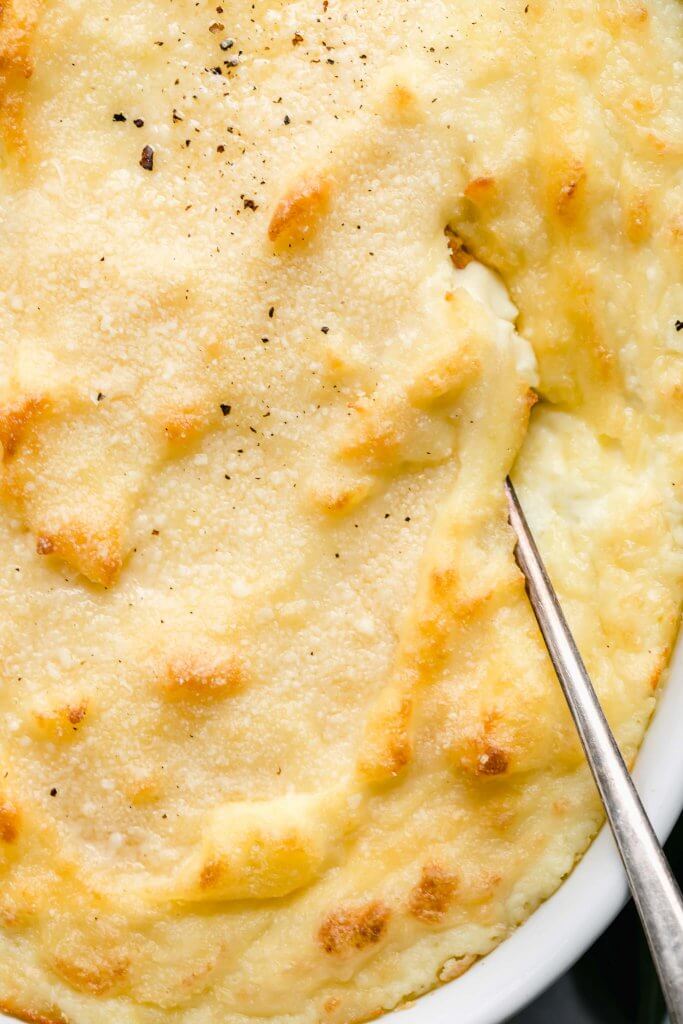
[
  {"x": 352, "y": 929},
  {"x": 565, "y": 189},
  {"x": 46, "y": 1016},
  {"x": 480, "y": 190},
  {"x": 77, "y": 714},
  {"x": 187, "y": 425},
  {"x": 99, "y": 556},
  {"x": 210, "y": 875},
  {"x": 18, "y": 20},
  {"x": 60, "y": 721},
  {"x": 15, "y": 420},
  {"x": 96, "y": 975},
  {"x": 431, "y": 898},
  {"x": 298, "y": 212},
  {"x": 197, "y": 677},
  {"x": 10, "y": 820},
  {"x": 387, "y": 743},
  {"x": 492, "y": 761}
]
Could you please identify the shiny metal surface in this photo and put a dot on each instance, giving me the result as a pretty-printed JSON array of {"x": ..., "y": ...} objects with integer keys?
[{"x": 655, "y": 891}]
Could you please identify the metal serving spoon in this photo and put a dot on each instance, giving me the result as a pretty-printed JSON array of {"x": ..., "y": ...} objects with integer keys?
[{"x": 653, "y": 886}]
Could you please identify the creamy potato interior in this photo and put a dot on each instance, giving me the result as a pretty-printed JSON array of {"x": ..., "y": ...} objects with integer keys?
[{"x": 287, "y": 289}]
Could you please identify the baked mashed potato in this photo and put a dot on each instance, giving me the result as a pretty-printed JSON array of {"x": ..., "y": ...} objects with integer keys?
[{"x": 279, "y": 739}]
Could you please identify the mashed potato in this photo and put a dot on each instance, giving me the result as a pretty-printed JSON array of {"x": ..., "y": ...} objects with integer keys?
[{"x": 279, "y": 739}]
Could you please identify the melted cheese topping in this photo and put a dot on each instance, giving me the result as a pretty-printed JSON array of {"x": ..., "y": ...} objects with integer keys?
[{"x": 279, "y": 737}]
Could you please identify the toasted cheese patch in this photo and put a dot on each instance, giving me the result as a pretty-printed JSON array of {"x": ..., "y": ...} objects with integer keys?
[
  {"x": 95, "y": 977},
  {"x": 56, "y": 721},
  {"x": 13, "y": 423},
  {"x": 264, "y": 849},
  {"x": 387, "y": 744},
  {"x": 298, "y": 211},
  {"x": 50, "y": 1015},
  {"x": 97, "y": 554},
  {"x": 431, "y": 897},
  {"x": 352, "y": 929},
  {"x": 9, "y": 822},
  {"x": 287, "y": 291},
  {"x": 18, "y": 20},
  {"x": 200, "y": 676}
]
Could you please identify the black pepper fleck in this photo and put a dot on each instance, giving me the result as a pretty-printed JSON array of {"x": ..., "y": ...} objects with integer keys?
[
  {"x": 138, "y": 122},
  {"x": 119, "y": 117},
  {"x": 225, "y": 409},
  {"x": 147, "y": 159}
]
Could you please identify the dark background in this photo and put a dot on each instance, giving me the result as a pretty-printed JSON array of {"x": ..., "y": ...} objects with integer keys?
[{"x": 614, "y": 983}]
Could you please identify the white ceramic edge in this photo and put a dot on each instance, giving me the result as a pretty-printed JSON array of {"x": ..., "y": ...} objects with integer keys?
[
  {"x": 563, "y": 928},
  {"x": 556, "y": 935}
]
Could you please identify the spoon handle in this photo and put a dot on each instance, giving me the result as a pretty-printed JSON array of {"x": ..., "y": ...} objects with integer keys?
[{"x": 653, "y": 886}]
